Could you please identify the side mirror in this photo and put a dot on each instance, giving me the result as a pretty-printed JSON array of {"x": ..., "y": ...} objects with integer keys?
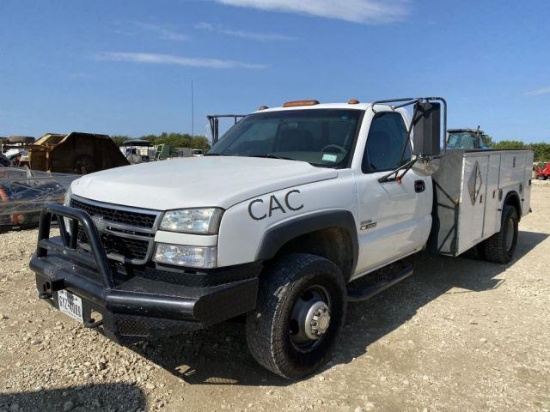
[{"x": 427, "y": 129}]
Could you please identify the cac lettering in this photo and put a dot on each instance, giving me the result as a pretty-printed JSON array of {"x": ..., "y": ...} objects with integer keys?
[{"x": 259, "y": 210}]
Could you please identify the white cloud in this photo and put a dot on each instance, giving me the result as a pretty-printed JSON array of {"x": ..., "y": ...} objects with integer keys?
[
  {"x": 357, "y": 11},
  {"x": 169, "y": 59},
  {"x": 538, "y": 92},
  {"x": 242, "y": 34},
  {"x": 164, "y": 32}
]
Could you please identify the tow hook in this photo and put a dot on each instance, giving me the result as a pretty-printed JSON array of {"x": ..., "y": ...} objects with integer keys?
[
  {"x": 49, "y": 287},
  {"x": 92, "y": 323}
]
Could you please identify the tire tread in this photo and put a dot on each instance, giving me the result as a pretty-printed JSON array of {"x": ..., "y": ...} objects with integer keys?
[
  {"x": 265, "y": 341},
  {"x": 494, "y": 248}
]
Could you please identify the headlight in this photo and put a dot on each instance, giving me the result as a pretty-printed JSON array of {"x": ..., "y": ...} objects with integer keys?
[
  {"x": 192, "y": 256},
  {"x": 203, "y": 221}
]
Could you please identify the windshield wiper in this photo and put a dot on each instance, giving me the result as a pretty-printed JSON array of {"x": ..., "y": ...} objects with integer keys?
[
  {"x": 272, "y": 156},
  {"x": 325, "y": 165}
]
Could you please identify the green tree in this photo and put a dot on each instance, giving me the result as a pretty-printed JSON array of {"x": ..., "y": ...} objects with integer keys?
[
  {"x": 487, "y": 140},
  {"x": 150, "y": 137},
  {"x": 541, "y": 151},
  {"x": 509, "y": 144},
  {"x": 179, "y": 140},
  {"x": 200, "y": 142},
  {"x": 118, "y": 139}
]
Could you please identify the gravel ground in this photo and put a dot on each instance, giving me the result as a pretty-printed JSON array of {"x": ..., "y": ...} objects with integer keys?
[{"x": 460, "y": 335}]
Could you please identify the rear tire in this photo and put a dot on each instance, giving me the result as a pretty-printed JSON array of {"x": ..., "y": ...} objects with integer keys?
[
  {"x": 300, "y": 311},
  {"x": 500, "y": 247}
]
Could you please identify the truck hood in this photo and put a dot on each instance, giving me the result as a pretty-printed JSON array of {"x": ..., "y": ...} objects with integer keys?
[{"x": 196, "y": 182}]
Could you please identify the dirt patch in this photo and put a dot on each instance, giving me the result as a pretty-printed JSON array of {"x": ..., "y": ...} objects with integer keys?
[{"x": 460, "y": 335}]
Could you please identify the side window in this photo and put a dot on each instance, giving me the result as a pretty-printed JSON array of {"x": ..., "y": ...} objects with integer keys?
[{"x": 385, "y": 141}]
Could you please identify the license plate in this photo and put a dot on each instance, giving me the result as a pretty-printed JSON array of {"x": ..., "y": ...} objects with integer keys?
[{"x": 70, "y": 305}]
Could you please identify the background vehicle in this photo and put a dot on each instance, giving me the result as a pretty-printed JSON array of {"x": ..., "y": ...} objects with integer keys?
[
  {"x": 165, "y": 151},
  {"x": 313, "y": 205},
  {"x": 543, "y": 170},
  {"x": 13, "y": 146},
  {"x": 4, "y": 161},
  {"x": 143, "y": 148},
  {"x": 467, "y": 139}
]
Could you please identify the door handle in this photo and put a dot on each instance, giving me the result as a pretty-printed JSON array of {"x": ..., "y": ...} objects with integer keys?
[{"x": 419, "y": 186}]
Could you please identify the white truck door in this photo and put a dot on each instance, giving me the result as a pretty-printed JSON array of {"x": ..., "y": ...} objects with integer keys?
[{"x": 395, "y": 217}]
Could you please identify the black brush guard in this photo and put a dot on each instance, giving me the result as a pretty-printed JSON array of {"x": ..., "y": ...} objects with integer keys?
[{"x": 137, "y": 307}]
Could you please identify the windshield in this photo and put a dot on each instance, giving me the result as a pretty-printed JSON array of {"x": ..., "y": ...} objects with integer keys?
[
  {"x": 464, "y": 140},
  {"x": 322, "y": 137}
]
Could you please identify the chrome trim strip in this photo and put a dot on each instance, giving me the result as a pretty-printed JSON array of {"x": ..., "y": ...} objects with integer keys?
[{"x": 108, "y": 227}]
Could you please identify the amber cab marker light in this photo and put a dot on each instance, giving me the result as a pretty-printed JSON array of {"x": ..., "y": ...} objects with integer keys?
[
  {"x": 301, "y": 103},
  {"x": 353, "y": 101}
]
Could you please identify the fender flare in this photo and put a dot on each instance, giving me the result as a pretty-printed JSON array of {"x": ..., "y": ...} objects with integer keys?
[
  {"x": 515, "y": 201},
  {"x": 278, "y": 236}
]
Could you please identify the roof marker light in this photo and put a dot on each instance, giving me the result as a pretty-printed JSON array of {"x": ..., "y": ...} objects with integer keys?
[
  {"x": 301, "y": 103},
  {"x": 353, "y": 101}
]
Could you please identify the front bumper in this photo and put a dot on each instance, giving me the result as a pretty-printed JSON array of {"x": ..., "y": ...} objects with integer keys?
[{"x": 134, "y": 303}]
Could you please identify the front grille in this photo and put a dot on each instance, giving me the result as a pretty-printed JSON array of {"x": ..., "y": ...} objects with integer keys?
[
  {"x": 127, "y": 235},
  {"x": 113, "y": 244},
  {"x": 120, "y": 216},
  {"x": 130, "y": 248}
]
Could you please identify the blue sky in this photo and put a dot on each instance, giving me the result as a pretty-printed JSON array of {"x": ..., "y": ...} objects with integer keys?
[{"x": 127, "y": 66}]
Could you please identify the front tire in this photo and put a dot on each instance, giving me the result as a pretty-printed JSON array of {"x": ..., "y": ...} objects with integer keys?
[
  {"x": 500, "y": 247},
  {"x": 300, "y": 311}
]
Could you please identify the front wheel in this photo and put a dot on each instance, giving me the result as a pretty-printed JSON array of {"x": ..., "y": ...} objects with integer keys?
[
  {"x": 300, "y": 311},
  {"x": 500, "y": 247}
]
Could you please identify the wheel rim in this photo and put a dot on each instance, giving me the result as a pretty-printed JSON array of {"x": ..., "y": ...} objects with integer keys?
[
  {"x": 509, "y": 234},
  {"x": 310, "y": 318}
]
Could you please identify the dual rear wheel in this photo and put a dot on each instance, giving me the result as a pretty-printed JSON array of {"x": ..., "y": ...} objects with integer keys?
[{"x": 500, "y": 247}]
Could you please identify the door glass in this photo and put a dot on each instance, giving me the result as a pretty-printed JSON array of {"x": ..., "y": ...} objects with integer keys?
[{"x": 385, "y": 142}]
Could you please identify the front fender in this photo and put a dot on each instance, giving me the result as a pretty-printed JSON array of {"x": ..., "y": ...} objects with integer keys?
[{"x": 276, "y": 237}]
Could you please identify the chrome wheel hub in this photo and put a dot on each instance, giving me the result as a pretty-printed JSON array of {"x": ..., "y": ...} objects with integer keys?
[
  {"x": 317, "y": 320},
  {"x": 310, "y": 318}
]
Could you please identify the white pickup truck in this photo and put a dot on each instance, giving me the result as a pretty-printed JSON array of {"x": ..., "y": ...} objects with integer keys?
[{"x": 294, "y": 212}]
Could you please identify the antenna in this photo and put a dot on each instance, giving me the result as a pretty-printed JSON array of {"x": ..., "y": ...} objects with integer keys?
[{"x": 192, "y": 110}]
